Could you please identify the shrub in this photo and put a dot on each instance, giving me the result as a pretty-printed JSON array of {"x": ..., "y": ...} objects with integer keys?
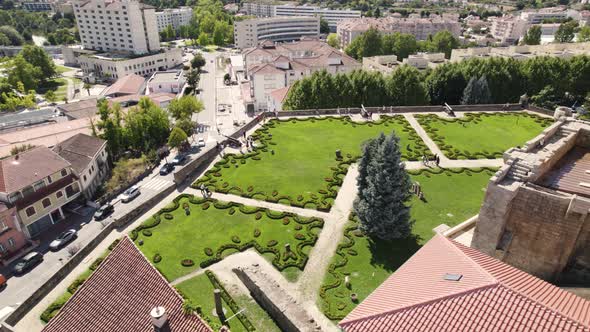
[
  {"x": 286, "y": 221},
  {"x": 257, "y": 232},
  {"x": 299, "y": 198},
  {"x": 299, "y": 236},
  {"x": 235, "y": 239},
  {"x": 272, "y": 243},
  {"x": 298, "y": 227},
  {"x": 208, "y": 251},
  {"x": 205, "y": 205},
  {"x": 114, "y": 244},
  {"x": 146, "y": 232},
  {"x": 168, "y": 216},
  {"x": 250, "y": 188},
  {"x": 275, "y": 193},
  {"x": 96, "y": 263},
  {"x": 258, "y": 216},
  {"x": 243, "y": 161},
  {"x": 352, "y": 252},
  {"x": 328, "y": 179},
  {"x": 232, "y": 211},
  {"x": 187, "y": 262},
  {"x": 73, "y": 287},
  {"x": 157, "y": 258}
]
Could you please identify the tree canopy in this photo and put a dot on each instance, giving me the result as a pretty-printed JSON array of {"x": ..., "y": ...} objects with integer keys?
[{"x": 533, "y": 36}]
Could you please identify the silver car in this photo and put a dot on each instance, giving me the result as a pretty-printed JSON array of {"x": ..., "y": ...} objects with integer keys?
[
  {"x": 63, "y": 239},
  {"x": 201, "y": 143},
  {"x": 130, "y": 194}
]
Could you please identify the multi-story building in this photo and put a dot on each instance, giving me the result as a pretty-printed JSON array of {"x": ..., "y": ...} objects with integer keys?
[
  {"x": 12, "y": 239},
  {"x": 388, "y": 63},
  {"x": 166, "y": 81},
  {"x": 176, "y": 17},
  {"x": 121, "y": 25},
  {"x": 272, "y": 66},
  {"x": 538, "y": 16},
  {"x": 89, "y": 160},
  {"x": 37, "y": 183},
  {"x": 249, "y": 33},
  {"x": 509, "y": 29},
  {"x": 421, "y": 28},
  {"x": 38, "y": 6},
  {"x": 332, "y": 16},
  {"x": 562, "y": 50}
]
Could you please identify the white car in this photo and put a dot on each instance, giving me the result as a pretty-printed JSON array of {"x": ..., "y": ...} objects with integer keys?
[
  {"x": 201, "y": 143},
  {"x": 63, "y": 239},
  {"x": 130, "y": 194}
]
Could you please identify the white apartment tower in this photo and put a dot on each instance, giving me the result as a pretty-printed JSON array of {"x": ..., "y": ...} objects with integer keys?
[
  {"x": 117, "y": 25},
  {"x": 249, "y": 33},
  {"x": 176, "y": 17}
]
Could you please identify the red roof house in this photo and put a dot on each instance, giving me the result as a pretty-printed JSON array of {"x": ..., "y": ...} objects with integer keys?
[
  {"x": 120, "y": 297},
  {"x": 447, "y": 286}
]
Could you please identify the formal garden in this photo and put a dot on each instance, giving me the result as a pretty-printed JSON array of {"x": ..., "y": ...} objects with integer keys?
[
  {"x": 451, "y": 197},
  {"x": 294, "y": 161},
  {"x": 482, "y": 135},
  {"x": 194, "y": 232},
  {"x": 249, "y": 316}
]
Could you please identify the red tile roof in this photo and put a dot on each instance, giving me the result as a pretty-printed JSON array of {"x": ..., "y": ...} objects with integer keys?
[
  {"x": 128, "y": 85},
  {"x": 119, "y": 296},
  {"x": 490, "y": 296}
]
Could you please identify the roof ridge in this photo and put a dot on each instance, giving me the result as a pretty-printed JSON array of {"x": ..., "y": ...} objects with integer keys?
[
  {"x": 452, "y": 244},
  {"x": 420, "y": 304}
]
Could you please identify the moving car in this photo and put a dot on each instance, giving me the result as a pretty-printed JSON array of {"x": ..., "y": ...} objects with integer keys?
[
  {"x": 63, "y": 239},
  {"x": 166, "y": 169},
  {"x": 130, "y": 194},
  {"x": 104, "y": 211},
  {"x": 28, "y": 262},
  {"x": 179, "y": 159},
  {"x": 201, "y": 143}
]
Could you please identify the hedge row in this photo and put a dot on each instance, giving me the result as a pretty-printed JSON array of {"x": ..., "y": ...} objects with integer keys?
[
  {"x": 322, "y": 200},
  {"x": 230, "y": 301},
  {"x": 427, "y": 121},
  {"x": 450, "y": 171},
  {"x": 300, "y": 259}
]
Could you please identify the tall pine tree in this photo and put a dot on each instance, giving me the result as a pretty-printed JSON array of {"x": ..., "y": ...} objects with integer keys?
[
  {"x": 477, "y": 91},
  {"x": 384, "y": 189}
]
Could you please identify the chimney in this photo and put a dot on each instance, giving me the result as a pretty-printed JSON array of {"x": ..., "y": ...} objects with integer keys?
[{"x": 160, "y": 320}]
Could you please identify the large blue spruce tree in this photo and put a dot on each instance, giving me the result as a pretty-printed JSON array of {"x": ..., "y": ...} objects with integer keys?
[{"x": 384, "y": 189}]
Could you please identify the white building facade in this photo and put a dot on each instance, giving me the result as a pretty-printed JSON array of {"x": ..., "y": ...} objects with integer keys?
[
  {"x": 176, "y": 17},
  {"x": 509, "y": 29},
  {"x": 125, "y": 25},
  {"x": 166, "y": 81},
  {"x": 249, "y": 33}
]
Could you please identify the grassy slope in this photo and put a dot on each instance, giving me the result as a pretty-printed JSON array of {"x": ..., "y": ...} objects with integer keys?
[
  {"x": 304, "y": 153},
  {"x": 186, "y": 237},
  {"x": 449, "y": 199}
]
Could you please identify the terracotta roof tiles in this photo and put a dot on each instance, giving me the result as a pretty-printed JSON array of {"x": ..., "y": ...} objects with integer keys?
[{"x": 490, "y": 296}]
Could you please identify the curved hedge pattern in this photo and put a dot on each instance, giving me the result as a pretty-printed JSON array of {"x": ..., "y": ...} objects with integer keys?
[
  {"x": 323, "y": 199},
  {"x": 451, "y": 152},
  {"x": 299, "y": 257}
]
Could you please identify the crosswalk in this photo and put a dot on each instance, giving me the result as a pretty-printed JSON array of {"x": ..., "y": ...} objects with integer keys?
[{"x": 156, "y": 184}]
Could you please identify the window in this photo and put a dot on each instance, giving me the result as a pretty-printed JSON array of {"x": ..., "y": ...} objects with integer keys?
[
  {"x": 59, "y": 194},
  {"x": 30, "y": 211},
  {"x": 3, "y": 226},
  {"x": 11, "y": 242},
  {"x": 46, "y": 202},
  {"x": 84, "y": 177},
  {"x": 64, "y": 172},
  {"x": 49, "y": 179},
  {"x": 2, "y": 249},
  {"x": 38, "y": 185}
]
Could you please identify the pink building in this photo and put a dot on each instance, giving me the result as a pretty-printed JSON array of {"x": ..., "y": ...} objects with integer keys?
[{"x": 12, "y": 239}]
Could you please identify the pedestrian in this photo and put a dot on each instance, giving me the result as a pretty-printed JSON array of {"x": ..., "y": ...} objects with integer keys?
[
  {"x": 207, "y": 192},
  {"x": 437, "y": 160},
  {"x": 202, "y": 187}
]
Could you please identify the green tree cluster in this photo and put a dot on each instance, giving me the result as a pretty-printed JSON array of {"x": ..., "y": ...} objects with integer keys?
[
  {"x": 507, "y": 80},
  {"x": 372, "y": 43},
  {"x": 182, "y": 111},
  {"x": 533, "y": 36},
  {"x": 18, "y": 26}
]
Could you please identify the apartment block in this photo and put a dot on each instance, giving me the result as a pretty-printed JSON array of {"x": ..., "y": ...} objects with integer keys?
[
  {"x": 249, "y": 33},
  {"x": 421, "y": 28},
  {"x": 538, "y": 16},
  {"x": 270, "y": 67},
  {"x": 509, "y": 29},
  {"x": 387, "y": 64},
  {"x": 117, "y": 25},
  {"x": 176, "y": 17}
]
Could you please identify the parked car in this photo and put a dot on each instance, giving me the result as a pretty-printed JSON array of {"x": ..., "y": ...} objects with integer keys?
[
  {"x": 63, "y": 239},
  {"x": 179, "y": 159},
  {"x": 28, "y": 262},
  {"x": 166, "y": 169},
  {"x": 130, "y": 194},
  {"x": 201, "y": 142},
  {"x": 2, "y": 282},
  {"x": 104, "y": 211}
]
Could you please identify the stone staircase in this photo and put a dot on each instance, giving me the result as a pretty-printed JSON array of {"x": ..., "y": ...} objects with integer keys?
[{"x": 519, "y": 171}]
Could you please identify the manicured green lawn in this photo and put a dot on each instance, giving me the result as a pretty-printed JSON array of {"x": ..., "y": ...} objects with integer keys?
[
  {"x": 58, "y": 85},
  {"x": 449, "y": 198},
  {"x": 295, "y": 162},
  {"x": 199, "y": 290},
  {"x": 207, "y": 236},
  {"x": 482, "y": 135},
  {"x": 63, "y": 69}
]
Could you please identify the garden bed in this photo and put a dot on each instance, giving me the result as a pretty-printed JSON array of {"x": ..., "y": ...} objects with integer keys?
[
  {"x": 482, "y": 135},
  {"x": 294, "y": 162},
  {"x": 451, "y": 196},
  {"x": 180, "y": 242}
]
